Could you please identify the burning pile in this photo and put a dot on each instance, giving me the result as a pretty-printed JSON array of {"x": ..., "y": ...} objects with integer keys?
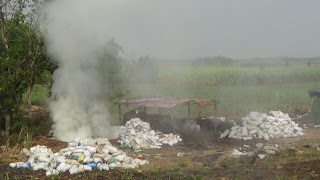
[
  {"x": 138, "y": 135},
  {"x": 262, "y": 126},
  {"x": 80, "y": 155}
]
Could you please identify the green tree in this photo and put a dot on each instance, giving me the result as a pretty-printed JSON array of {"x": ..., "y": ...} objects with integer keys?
[
  {"x": 145, "y": 71},
  {"x": 111, "y": 69},
  {"x": 21, "y": 55}
]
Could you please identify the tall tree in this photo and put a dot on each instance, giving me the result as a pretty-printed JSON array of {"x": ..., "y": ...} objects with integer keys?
[{"x": 21, "y": 54}]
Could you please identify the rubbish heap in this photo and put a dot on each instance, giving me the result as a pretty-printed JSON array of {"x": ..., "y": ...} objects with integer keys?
[
  {"x": 138, "y": 135},
  {"x": 80, "y": 155},
  {"x": 262, "y": 126}
]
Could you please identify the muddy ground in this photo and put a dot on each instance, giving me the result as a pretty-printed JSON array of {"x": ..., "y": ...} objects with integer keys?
[{"x": 297, "y": 158}]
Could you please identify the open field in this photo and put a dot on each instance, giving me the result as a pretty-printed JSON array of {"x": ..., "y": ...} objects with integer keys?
[
  {"x": 298, "y": 158},
  {"x": 236, "y": 101},
  {"x": 236, "y": 76},
  {"x": 236, "y": 88}
]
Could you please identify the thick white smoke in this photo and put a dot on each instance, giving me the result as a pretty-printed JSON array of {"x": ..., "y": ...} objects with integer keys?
[{"x": 75, "y": 31}]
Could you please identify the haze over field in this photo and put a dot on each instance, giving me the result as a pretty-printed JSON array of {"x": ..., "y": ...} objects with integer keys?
[
  {"x": 238, "y": 29},
  {"x": 75, "y": 31}
]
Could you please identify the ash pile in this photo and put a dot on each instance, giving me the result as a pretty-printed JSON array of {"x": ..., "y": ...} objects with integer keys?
[
  {"x": 257, "y": 125},
  {"x": 80, "y": 155}
]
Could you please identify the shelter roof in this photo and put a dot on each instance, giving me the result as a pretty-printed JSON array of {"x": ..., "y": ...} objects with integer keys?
[{"x": 164, "y": 102}]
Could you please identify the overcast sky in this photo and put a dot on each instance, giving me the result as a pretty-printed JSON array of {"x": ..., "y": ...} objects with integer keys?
[{"x": 174, "y": 29}]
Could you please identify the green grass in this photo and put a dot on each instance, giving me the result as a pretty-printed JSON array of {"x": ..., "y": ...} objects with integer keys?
[
  {"x": 235, "y": 101},
  {"x": 236, "y": 76},
  {"x": 39, "y": 95},
  {"x": 281, "y": 88}
]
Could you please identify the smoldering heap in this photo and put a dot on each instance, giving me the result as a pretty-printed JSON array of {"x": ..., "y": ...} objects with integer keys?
[
  {"x": 80, "y": 155},
  {"x": 77, "y": 40},
  {"x": 262, "y": 126},
  {"x": 138, "y": 135}
]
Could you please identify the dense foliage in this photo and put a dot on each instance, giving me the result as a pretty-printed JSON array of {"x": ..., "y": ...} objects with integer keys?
[{"x": 22, "y": 56}]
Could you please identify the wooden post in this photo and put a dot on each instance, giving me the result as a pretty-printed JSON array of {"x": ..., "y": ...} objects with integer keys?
[
  {"x": 188, "y": 110},
  {"x": 120, "y": 119},
  {"x": 8, "y": 124},
  {"x": 215, "y": 108},
  {"x": 215, "y": 114},
  {"x": 159, "y": 110}
]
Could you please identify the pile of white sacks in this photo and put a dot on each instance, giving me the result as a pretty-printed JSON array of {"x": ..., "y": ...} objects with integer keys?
[
  {"x": 262, "y": 126},
  {"x": 137, "y": 134},
  {"x": 80, "y": 155}
]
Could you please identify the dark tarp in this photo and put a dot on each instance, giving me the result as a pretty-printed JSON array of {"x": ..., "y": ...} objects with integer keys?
[
  {"x": 314, "y": 115},
  {"x": 164, "y": 102},
  {"x": 314, "y": 92}
]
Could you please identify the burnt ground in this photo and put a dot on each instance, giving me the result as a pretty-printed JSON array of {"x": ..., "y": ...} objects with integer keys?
[{"x": 298, "y": 158}]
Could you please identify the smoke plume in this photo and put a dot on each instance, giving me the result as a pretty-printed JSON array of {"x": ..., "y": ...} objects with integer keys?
[{"x": 75, "y": 32}]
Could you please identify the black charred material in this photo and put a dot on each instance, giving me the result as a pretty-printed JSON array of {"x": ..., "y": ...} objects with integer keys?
[
  {"x": 191, "y": 130},
  {"x": 314, "y": 92}
]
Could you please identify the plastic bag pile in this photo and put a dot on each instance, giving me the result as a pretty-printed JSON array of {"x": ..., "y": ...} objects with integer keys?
[
  {"x": 137, "y": 134},
  {"x": 262, "y": 126},
  {"x": 80, "y": 155}
]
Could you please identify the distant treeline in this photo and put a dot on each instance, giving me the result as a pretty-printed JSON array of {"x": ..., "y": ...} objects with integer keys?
[
  {"x": 270, "y": 61},
  {"x": 216, "y": 60}
]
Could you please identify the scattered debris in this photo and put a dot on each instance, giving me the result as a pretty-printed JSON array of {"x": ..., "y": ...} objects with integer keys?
[
  {"x": 259, "y": 145},
  {"x": 261, "y": 156},
  {"x": 306, "y": 146},
  {"x": 225, "y": 133},
  {"x": 291, "y": 150},
  {"x": 25, "y": 152},
  {"x": 209, "y": 158},
  {"x": 180, "y": 154},
  {"x": 262, "y": 126},
  {"x": 80, "y": 155},
  {"x": 236, "y": 154},
  {"x": 138, "y": 135},
  {"x": 270, "y": 149}
]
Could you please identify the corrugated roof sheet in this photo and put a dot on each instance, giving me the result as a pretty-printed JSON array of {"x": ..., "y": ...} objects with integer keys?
[{"x": 163, "y": 102}]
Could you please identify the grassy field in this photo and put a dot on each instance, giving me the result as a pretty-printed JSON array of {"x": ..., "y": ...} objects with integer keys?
[
  {"x": 39, "y": 95},
  {"x": 238, "y": 89},
  {"x": 236, "y": 76},
  {"x": 235, "y": 101}
]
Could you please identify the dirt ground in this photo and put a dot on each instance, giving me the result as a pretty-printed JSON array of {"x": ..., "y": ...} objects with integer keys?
[{"x": 297, "y": 158}]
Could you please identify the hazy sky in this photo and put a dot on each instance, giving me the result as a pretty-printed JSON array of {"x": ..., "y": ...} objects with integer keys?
[{"x": 174, "y": 29}]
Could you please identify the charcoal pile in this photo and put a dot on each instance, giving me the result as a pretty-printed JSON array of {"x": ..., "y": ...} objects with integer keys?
[
  {"x": 262, "y": 126},
  {"x": 80, "y": 155},
  {"x": 138, "y": 134}
]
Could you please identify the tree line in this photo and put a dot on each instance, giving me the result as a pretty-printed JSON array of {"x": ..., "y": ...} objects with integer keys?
[
  {"x": 23, "y": 60},
  {"x": 25, "y": 63}
]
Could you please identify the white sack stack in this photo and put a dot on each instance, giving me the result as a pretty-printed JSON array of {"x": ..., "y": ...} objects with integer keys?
[
  {"x": 137, "y": 134},
  {"x": 262, "y": 126},
  {"x": 80, "y": 155}
]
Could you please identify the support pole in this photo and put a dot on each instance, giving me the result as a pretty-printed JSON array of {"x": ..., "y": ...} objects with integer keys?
[
  {"x": 188, "y": 110},
  {"x": 120, "y": 119},
  {"x": 215, "y": 108},
  {"x": 215, "y": 114}
]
